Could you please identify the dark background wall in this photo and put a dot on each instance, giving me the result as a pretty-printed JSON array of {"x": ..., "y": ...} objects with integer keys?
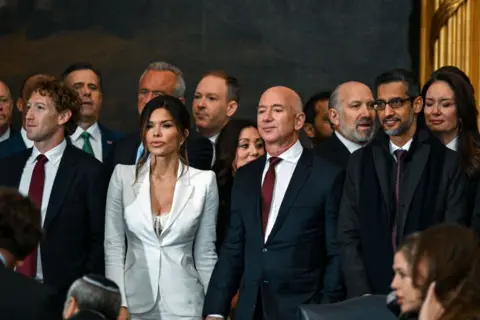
[{"x": 308, "y": 45}]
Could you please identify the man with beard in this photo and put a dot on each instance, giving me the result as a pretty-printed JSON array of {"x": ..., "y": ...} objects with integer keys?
[
  {"x": 352, "y": 115},
  {"x": 90, "y": 136},
  {"x": 404, "y": 181}
]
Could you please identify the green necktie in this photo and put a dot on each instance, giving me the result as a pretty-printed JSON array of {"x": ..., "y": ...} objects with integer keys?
[{"x": 87, "y": 146}]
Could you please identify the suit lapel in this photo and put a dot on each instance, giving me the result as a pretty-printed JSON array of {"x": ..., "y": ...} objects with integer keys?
[
  {"x": 382, "y": 161},
  {"x": 107, "y": 141},
  {"x": 300, "y": 174},
  {"x": 255, "y": 185},
  {"x": 411, "y": 177},
  {"x": 141, "y": 189},
  {"x": 182, "y": 193},
  {"x": 67, "y": 170},
  {"x": 15, "y": 169}
]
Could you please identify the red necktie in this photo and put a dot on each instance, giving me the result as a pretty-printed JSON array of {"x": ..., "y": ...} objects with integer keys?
[
  {"x": 267, "y": 191},
  {"x": 400, "y": 155},
  {"x": 35, "y": 192}
]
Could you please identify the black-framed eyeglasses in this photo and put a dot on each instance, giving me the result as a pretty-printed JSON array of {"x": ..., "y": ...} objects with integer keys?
[{"x": 394, "y": 103}]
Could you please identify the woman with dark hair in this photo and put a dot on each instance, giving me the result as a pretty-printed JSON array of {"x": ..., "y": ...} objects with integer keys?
[
  {"x": 238, "y": 144},
  {"x": 448, "y": 257},
  {"x": 167, "y": 211},
  {"x": 451, "y": 113}
]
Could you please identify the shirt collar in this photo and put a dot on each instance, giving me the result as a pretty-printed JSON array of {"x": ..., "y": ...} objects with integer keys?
[
  {"x": 6, "y": 135},
  {"x": 213, "y": 139},
  {"x": 94, "y": 131},
  {"x": 452, "y": 145},
  {"x": 394, "y": 147},
  {"x": 28, "y": 142},
  {"x": 292, "y": 154},
  {"x": 350, "y": 145},
  {"x": 53, "y": 155},
  {"x": 3, "y": 260}
]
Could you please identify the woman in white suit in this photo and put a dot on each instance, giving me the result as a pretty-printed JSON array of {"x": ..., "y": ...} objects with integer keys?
[{"x": 167, "y": 211}]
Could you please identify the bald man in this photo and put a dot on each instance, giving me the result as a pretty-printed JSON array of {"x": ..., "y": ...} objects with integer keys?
[
  {"x": 352, "y": 115},
  {"x": 19, "y": 141},
  {"x": 6, "y": 108},
  {"x": 279, "y": 240}
]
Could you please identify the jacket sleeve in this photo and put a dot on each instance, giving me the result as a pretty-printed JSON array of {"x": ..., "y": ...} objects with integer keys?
[
  {"x": 356, "y": 280},
  {"x": 333, "y": 284},
  {"x": 115, "y": 234},
  {"x": 205, "y": 254}
]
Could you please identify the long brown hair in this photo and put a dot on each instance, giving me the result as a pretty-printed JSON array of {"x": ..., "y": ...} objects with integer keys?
[
  {"x": 181, "y": 119},
  {"x": 451, "y": 255}
]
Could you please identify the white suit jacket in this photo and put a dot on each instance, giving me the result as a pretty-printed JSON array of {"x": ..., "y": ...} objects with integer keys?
[{"x": 178, "y": 264}]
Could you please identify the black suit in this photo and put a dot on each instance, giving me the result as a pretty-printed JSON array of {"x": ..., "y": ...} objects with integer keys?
[
  {"x": 22, "y": 298},
  {"x": 75, "y": 219},
  {"x": 108, "y": 138},
  {"x": 298, "y": 264},
  {"x": 333, "y": 150},
  {"x": 12, "y": 145},
  {"x": 432, "y": 191},
  {"x": 199, "y": 151}
]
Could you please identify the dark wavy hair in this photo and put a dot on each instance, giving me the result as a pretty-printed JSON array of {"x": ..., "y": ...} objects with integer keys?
[
  {"x": 451, "y": 255},
  {"x": 64, "y": 99},
  {"x": 467, "y": 115},
  {"x": 181, "y": 119},
  {"x": 20, "y": 223},
  {"x": 226, "y": 149}
]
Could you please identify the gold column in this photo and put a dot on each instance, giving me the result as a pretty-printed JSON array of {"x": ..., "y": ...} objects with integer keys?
[{"x": 450, "y": 35}]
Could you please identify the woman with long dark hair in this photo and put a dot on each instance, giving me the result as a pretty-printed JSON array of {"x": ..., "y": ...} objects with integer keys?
[
  {"x": 451, "y": 114},
  {"x": 167, "y": 212},
  {"x": 238, "y": 144}
]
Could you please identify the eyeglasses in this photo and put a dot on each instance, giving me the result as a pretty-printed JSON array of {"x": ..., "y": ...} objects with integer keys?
[{"x": 394, "y": 103}]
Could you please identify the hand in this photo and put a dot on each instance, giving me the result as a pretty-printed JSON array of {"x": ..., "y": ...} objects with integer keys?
[
  {"x": 431, "y": 309},
  {"x": 123, "y": 315}
]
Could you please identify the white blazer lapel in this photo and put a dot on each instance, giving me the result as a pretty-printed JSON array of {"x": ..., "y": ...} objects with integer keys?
[
  {"x": 142, "y": 192},
  {"x": 182, "y": 193}
]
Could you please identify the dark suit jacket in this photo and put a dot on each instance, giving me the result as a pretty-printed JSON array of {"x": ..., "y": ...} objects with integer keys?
[
  {"x": 298, "y": 264},
  {"x": 75, "y": 219},
  {"x": 12, "y": 145},
  {"x": 355, "y": 227},
  {"x": 108, "y": 138},
  {"x": 23, "y": 298},
  {"x": 199, "y": 151},
  {"x": 333, "y": 150}
]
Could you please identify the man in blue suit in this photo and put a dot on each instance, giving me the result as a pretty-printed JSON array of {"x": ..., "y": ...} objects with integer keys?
[
  {"x": 18, "y": 140},
  {"x": 90, "y": 136}
]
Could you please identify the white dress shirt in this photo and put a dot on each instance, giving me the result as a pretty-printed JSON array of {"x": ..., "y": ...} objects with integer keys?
[
  {"x": 51, "y": 167},
  {"x": 28, "y": 142},
  {"x": 95, "y": 139},
  {"x": 350, "y": 145},
  {"x": 452, "y": 145},
  {"x": 394, "y": 147},
  {"x": 213, "y": 140},
  {"x": 5, "y": 135},
  {"x": 283, "y": 174}
]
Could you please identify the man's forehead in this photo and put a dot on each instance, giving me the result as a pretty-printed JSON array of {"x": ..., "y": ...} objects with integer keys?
[
  {"x": 84, "y": 75},
  {"x": 212, "y": 82},
  {"x": 392, "y": 89}
]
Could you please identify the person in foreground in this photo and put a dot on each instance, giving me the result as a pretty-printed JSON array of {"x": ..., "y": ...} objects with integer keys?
[
  {"x": 93, "y": 297},
  {"x": 20, "y": 232},
  {"x": 437, "y": 276},
  {"x": 167, "y": 211},
  {"x": 280, "y": 236}
]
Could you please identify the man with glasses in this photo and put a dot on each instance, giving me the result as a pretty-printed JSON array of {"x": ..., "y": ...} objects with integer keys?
[
  {"x": 352, "y": 115},
  {"x": 404, "y": 181}
]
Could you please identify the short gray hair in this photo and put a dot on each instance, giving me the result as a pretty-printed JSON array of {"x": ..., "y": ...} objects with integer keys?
[
  {"x": 334, "y": 100},
  {"x": 180, "y": 87},
  {"x": 96, "y": 293}
]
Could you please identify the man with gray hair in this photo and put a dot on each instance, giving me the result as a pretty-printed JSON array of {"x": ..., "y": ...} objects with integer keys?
[
  {"x": 160, "y": 78},
  {"x": 352, "y": 115},
  {"x": 93, "y": 297}
]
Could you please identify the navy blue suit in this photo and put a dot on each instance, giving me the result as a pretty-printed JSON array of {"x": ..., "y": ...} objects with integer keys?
[
  {"x": 299, "y": 262},
  {"x": 12, "y": 145},
  {"x": 108, "y": 138}
]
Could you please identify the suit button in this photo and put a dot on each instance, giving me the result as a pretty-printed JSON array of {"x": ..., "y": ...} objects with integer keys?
[{"x": 264, "y": 250}]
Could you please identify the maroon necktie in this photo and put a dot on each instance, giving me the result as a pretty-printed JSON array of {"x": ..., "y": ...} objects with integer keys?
[
  {"x": 400, "y": 155},
  {"x": 267, "y": 191},
  {"x": 35, "y": 192}
]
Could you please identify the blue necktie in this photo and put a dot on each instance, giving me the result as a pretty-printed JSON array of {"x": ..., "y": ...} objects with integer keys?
[{"x": 140, "y": 151}]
